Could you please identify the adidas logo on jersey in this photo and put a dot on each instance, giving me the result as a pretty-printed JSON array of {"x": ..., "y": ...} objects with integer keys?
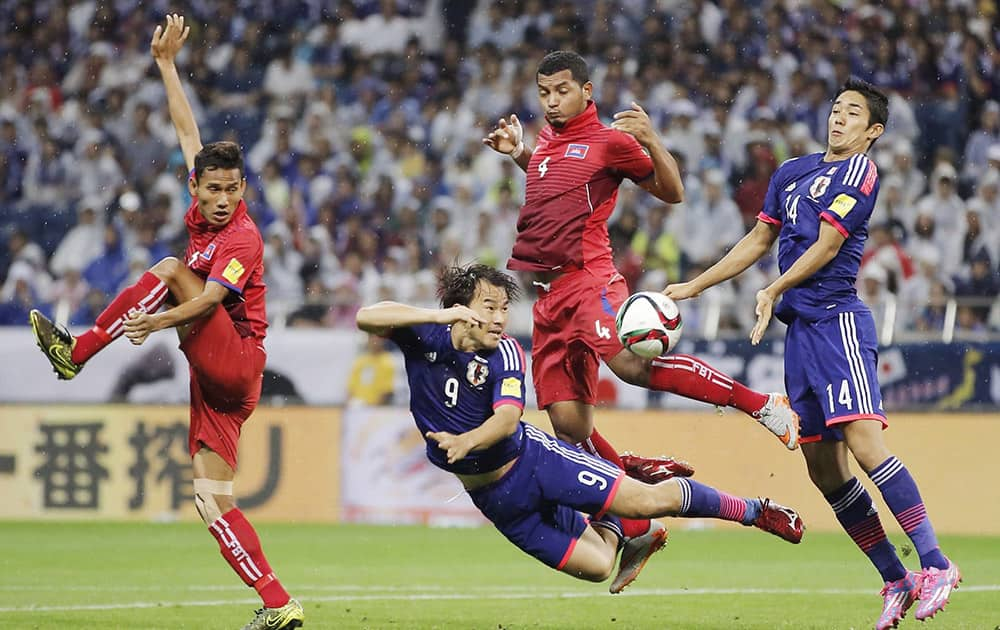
[{"x": 790, "y": 187}]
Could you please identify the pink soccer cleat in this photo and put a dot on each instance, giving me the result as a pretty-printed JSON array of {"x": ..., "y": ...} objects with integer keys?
[
  {"x": 898, "y": 597},
  {"x": 936, "y": 589},
  {"x": 635, "y": 553},
  {"x": 653, "y": 470},
  {"x": 781, "y": 521}
]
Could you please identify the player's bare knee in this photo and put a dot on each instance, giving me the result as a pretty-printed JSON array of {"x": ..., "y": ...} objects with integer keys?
[
  {"x": 630, "y": 368},
  {"x": 213, "y": 498},
  {"x": 166, "y": 269}
]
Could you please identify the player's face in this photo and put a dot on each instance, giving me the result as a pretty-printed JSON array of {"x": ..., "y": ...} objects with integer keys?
[
  {"x": 848, "y": 131},
  {"x": 561, "y": 97},
  {"x": 219, "y": 192},
  {"x": 492, "y": 304}
]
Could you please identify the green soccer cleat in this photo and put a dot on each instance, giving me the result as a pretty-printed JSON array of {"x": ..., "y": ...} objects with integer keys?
[
  {"x": 288, "y": 616},
  {"x": 57, "y": 344}
]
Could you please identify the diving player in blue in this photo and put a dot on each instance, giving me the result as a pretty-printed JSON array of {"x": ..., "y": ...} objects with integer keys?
[
  {"x": 817, "y": 208},
  {"x": 467, "y": 395}
]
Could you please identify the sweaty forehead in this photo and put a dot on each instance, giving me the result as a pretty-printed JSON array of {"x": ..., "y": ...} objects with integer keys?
[
  {"x": 486, "y": 291},
  {"x": 220, "y": 176},
  {"x": 851, "y": 98},
  {"x": 552, "y": 80}
]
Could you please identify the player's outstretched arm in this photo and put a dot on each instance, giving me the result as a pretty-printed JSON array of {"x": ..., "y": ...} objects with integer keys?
[
  {"x": 508, "y": 138},
  {"x": 166, "y": 43},
  {"x": 502, "y": 424},
  {"x": 666, "y": 184},
  {"x": 382, "y": 317},
  {"x": 746, "y": 252}
]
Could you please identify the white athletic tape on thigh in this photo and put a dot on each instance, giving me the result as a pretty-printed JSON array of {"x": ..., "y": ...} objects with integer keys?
[{"x": 213, "y": 486}]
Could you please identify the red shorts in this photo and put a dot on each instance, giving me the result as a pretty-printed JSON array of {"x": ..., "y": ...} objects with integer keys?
[
  {"x": 226, "y": 376},
  {"x": 574, "y": 321}
]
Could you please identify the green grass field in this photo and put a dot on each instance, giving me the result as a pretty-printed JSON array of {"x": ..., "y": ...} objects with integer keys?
[{"x": 146, "y": 576}]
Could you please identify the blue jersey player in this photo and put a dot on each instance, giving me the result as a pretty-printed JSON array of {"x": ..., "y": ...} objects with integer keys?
[
  {"x": 554, "y": 501},
  {"x": 818, "y": 207}
]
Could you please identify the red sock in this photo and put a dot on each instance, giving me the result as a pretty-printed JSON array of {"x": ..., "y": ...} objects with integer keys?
[
  {"x": 693, "y": 378},
  {"x": 241, "y": 549},
  {"x": 597, "y": 445},
  {"x": 146, "y": 295}
]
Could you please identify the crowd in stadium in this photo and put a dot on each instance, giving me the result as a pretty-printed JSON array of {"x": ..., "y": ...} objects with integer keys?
[{"x": 362, "y": 124}]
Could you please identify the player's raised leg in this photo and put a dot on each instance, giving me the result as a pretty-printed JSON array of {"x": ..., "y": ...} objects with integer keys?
[
  {"x": 692, "y": 378},
  {"x": 238, "y": 542},
  {"x": 67, "y": 354}
]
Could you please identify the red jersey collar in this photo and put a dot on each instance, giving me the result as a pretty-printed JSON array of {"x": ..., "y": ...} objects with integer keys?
[
  {"x": 196, "y": 222},
  {"x": 585, "y": 118}
]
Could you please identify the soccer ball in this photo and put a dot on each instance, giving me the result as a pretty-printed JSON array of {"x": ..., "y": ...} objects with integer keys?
[{"x": 649, "y": 324}]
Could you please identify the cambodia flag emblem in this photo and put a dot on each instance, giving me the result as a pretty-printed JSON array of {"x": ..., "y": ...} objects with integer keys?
[{"x": 578, "y": 151}]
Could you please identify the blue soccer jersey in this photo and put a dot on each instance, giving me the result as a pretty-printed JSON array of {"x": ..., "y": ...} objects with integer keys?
[
  {"x": 457, "y": 391},
  {"x": 803, "y": 192}
]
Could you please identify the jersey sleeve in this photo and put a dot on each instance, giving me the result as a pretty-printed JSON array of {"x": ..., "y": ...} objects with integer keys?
[
  {"x": 508, "y": 365},
  {"x": 771, "y": 212},
  {"x": 626, "y": 156},
  {"x": 414, "y": 339},
  {"x": 234, "y": 261},
  {"x": 852, "y": 196}
]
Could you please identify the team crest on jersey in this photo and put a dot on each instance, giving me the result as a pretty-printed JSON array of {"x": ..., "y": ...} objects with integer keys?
[
  {"x": 477, "y": 372},
  {"x": 819, "y": 186},
  {"x": 578, "y": 151},
  {"x": 207, "y": 254}
]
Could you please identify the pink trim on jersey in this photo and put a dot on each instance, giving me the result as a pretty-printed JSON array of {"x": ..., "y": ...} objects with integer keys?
[
  {"x": 569, "y": 552},
  {"x": 857, "y": 416},
  {"x": 508, "y": 401},
  {"x": 870, "y": 178},
  {"x": 766, "y": 218},
  {"x": 611, "y": 496},
  {"x": 832, "y": 220}
]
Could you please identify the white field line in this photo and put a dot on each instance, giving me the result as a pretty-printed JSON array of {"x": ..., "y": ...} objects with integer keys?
[{"x": 486, "y": 593}]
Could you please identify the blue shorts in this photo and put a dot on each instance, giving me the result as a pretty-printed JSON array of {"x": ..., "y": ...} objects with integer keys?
[
  {"x": 539, "y": 504},
  {"x": 831, "y": 374}
]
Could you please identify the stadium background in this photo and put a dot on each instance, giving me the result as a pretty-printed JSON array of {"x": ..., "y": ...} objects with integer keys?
[{"x": 361, "y": 122}]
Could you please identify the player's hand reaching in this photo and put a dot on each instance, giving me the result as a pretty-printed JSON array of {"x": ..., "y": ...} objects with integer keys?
[
  {"x": 167, "y": 42},
  {"x": 507, "y": 136},
  {"x": 457, "y": 446},
  {"x": 635, "y": 121},
  {"x": 764, "y": 311},
  {"x": 139, "y": 326},
  {"x": 681, "y": 291},
  {"x": 459, "y": 313}
]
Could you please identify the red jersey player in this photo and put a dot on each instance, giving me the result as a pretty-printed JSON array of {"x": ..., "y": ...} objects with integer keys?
[
  {"x": 573, "y": 176},
  {"x": 219, "y": 316}
]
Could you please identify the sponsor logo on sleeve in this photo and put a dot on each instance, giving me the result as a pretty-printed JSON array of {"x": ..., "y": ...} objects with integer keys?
[
  {"x": 842, "y": 204},
  {"x": 233, "y": 271},
  {"x": 511, "y": 386}
]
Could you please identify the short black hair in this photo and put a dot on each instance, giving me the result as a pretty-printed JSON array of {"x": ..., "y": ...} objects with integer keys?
[
  {"x": 457, "y": 284},
  {"x": 565, "y": 60},
  {"x": 878, "y": 102},
  {"x": 218, "y": 155}
]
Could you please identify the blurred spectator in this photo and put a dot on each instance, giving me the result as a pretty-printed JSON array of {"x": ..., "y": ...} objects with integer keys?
[
  {"x": 82, "y": 243},
  {"x": 373, "y": 374}
]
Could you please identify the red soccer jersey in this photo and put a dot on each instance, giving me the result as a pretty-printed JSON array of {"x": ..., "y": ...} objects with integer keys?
[
  {"x": 572, "y": 186},
  {"x": 233, "y": 256}
]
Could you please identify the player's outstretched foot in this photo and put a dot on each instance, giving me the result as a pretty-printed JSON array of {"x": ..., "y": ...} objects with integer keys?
[
  {"x": 288, "y": 616},
  {"x": 57, "y": 344},
  {"x": 936, "y": 589},
  {"x": 654, "y": 469},
  {"x": 897, "y": 598},
  {"x": 779, "y": 418},
  {"x": 779, "y": 520},
  {"x": 635, "y": 552}
]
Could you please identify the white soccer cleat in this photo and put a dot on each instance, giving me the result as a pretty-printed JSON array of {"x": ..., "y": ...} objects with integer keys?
[
  {"x": 635, "y": 553},
  {"x": 780, "y": 419}
]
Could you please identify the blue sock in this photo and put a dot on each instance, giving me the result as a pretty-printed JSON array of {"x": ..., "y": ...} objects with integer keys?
[
  {"x": 903, "y": 498},
  {"x": 697, "y": 499},
  {"x": 853, "y": 507}
]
